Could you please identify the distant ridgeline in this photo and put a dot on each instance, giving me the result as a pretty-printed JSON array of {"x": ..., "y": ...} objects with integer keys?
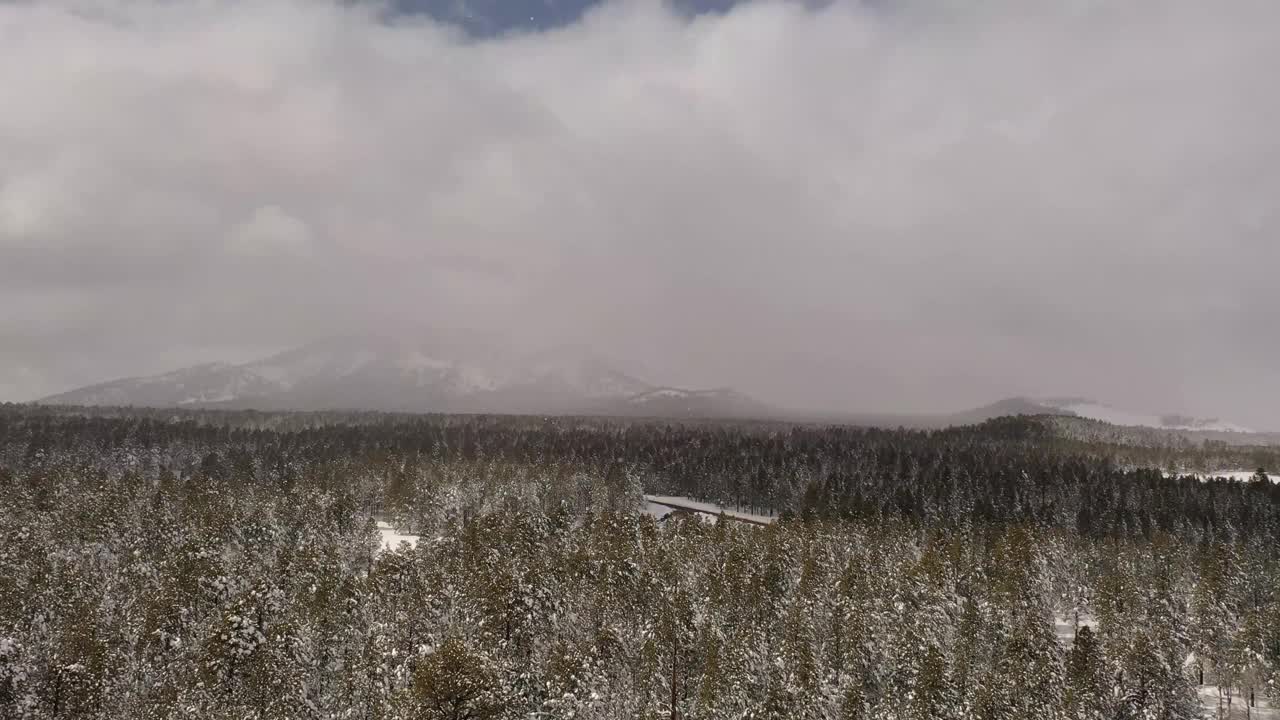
[{"x": 229, "y": 564}]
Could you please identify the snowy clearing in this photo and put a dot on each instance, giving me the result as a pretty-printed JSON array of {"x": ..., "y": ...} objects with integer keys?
[
  {"x": 1236, "y": 475},
  {"x": 1064, "y": 626},
  {"x": 391, "y": 538}
]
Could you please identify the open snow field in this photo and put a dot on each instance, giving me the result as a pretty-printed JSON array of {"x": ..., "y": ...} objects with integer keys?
[{"x": 1236, "y": 475}]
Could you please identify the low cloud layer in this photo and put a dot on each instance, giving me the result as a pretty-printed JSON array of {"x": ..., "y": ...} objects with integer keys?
[{"x": 903, "y": 205}]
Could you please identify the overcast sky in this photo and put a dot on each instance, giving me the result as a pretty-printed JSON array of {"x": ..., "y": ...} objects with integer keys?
[{"x": 911, "y": 205}]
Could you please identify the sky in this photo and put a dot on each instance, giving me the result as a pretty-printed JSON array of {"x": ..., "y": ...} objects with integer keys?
[{"x": 906, "y": 205}]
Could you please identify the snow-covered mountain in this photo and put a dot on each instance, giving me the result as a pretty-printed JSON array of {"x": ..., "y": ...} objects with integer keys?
[
  {"x": 455, "y": 375},
  {"x": 197, "y": 385},
  {"x": 382, "y": 374},
  {"x": 677, "y": 402}
]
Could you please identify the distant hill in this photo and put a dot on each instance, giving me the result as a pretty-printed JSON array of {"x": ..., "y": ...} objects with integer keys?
[
  {"x": 1092, "y": 410},
  {"x": 1085, "y": 408},
  {"x": 1080, "y": 416}
]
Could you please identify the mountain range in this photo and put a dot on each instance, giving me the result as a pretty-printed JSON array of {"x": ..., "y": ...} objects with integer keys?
[
  {"x": 392, "y": 375},
  {"x": 461, "y": 376}
]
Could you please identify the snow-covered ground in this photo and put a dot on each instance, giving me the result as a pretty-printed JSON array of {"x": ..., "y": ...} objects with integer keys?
[
  {"x": 391, "y": 538},
  {"x": 1237, "y": 475},
  {"x": 660, "y": 511},
  {"x": 1215, "y": 706},
  {"x": 1064, "y": 628},
  {"x": 655, "y": 510},
  {"x": 654, "y": 503}
]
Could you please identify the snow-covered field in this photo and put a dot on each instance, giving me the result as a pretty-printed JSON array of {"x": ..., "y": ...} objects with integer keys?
[
  {"x": 1237, "y": 475},
  {"x": 659, "y": 505}
]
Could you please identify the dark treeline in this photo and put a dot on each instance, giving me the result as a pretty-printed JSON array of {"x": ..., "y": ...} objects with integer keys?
[
  {"x": 228, "y": 566},
  {"x": 1008, "y": 470}
]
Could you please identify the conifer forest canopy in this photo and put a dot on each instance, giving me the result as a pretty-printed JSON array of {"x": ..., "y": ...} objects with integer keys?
[{"x": 167, "y": 564}]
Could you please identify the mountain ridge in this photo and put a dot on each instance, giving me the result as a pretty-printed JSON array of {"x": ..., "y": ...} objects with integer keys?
[
  {"x": 370, "y": 373},
  {"x": 461, "y": 374}
]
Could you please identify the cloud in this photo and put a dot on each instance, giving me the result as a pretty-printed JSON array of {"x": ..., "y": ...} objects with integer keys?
[
  {"x": 270, "y": 231},
  {"x": 903, "y": 205}
]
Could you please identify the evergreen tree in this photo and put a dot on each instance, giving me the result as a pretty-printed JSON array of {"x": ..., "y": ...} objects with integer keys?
[
  {"x": 1087, "y": 694},
  {"x": 454, "y": 682}
]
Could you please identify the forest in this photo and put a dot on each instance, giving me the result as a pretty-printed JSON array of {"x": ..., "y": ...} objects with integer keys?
[{"x": 199, "y": 564}]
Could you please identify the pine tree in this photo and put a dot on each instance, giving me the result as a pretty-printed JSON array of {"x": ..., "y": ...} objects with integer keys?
[
  {"x": 1087, "y": 695},
  {"x": 455, "y": 682},
  {"x": 932, "y": 697}
]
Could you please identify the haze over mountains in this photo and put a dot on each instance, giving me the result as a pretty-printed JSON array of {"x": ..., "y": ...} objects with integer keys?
[
  {"x": 1086, "y": 408},
  {"x": 865, "y": 204},
  {"x": 452, "y": 374},
  {"x": 1081, "y": 408}
]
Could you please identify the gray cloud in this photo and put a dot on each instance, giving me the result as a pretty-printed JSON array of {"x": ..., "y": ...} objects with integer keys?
[{"x": 918, "y": 206}]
